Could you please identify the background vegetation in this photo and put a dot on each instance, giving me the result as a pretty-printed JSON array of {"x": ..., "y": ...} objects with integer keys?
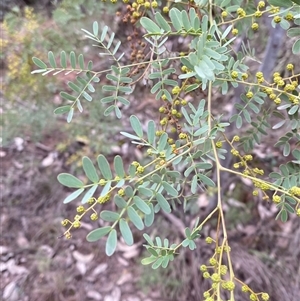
[{"x": 36, "y": 147}]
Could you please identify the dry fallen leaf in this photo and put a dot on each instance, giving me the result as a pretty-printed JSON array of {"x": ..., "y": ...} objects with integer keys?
[
  {"x": 81, "y": 267},
  {"x": 94, "y": 295},
  {"x": 14, "y": 269},
  {"x": 85, "y": 258},
  {"x": 114, "y": 296},
  {"x": 99, "y": 269},
  {"x": 125, "y": 277},
  {"x": 11, "y": 292}
]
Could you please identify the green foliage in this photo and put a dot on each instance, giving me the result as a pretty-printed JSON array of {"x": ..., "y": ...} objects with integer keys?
[
  {"x": 184, "y": 150},
  {"x": 84, "y": 85}
]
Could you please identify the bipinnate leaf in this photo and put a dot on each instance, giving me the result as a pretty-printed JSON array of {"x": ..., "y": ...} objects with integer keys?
[
  {"x": 145, "y": 191},
  {"x": 51, "y": 59},
  {"x": 39, "y": 63},
  {"x": 157, "y": 263},
  {"x": 141, "y": 204},
  {"x": 62, "y": 110},
  {"x": 162, "y": 142},
  {"x": 74, "y": 87},
  {"x": 81, "y": 61},
  {"x": 206, "y": 180},
  {"x": 176, "y": 19},
  {"x": 163, "y": 203},
  {"x": 170, "y": 189},
  {"x": 111, "y": 39},
  {"x": 73, "y": 195},
  {"x": 73, "y": 59},
  {"x": 70, "y": 115},
  {"x": 281, "y": 3},
  {"x": 148, "y": 239},
  {"x": 109, "y": 216},
  {"x": 126, "y": 232},
  {"x": 63, "y": 59},
  {"x": 90, "y": 170},
  {"x": 130, "y": 136},
  {"x": 104, "y": 167},
  {"x": 149, "y": 218},
  {"x": 296, "y": 47},
  {"x": 148, "y": 260},
  {"x": 105, "y": 189},
  {"x": 293, "y": 32},
  {"x": 95, "y": 28},
  {"x": 120, "y": 202},
  {"x": 135, "y": 218},
  {"x": 119, "y": 167},
  {"x": 152, "y": 251},
  {"x": 104, "y": 32},
  {"x": 89, "y": 194},
  {"x": 98, "y": 233},
  {"x": 149, "y": 25},
  {"x": 194, "y": 184},
  {"x": 69, "y": 180},
  {"x": 118, "y": 112},
  {"x": 151, "y": 132},
  {"x": 111, "y": 243},
  {"x": 162, "y": 22},
  {"x": 67, "y": 96},
  {"x": 136, "y": 126}
]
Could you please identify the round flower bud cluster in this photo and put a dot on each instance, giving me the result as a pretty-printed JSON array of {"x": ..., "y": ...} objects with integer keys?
[
  {"x": 235, "y": 31},
  {"x": 260, "y": 77},
  {"x": 213, "y": 261},
  {"x": 295, "y": 191},
  {"x": 235, "y": 152},
  {"x": 219, "y": 144},
  {"x": 255, "y": 26},
  {"x": 166, "y": 9},
  {"x": 277, "y": 19},
  {"x": 289, "y": 17},
  {"x": 258, "y": 14},
  {"x": 261, "y": 4},
  {"x": 249, "y": 95},
  {"x": 234, "y": 74},
  {"x": 94, "y": 216},
  {"x": 265, "y": 296},
  {"x": 276, "y": 199},
  {"x": 209, "y": 240},
  {"x": 224, "y": 14},
  {"x": 241, "y": 13},
  {"x": 176, "y": 90},
  {"x": 228, "y": 285}
]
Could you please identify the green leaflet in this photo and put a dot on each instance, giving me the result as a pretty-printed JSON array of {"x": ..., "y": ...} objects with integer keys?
[
  {"x": 135, "y": 218},
  {"x": 136, "y": 126},
  {"x": 119, "y": 167},
  {"x": 73, "y": 195},
  {"x": 104, "y": 167},
  {"x": 89, "y": 194},
  {"x": 69, "y": 180},
  {"x": 109, "y": 216},
  {"x": 141, "y": 205},
  {"x": 39, "y": 63},
  {"x": 163, "y": 203},
  {"x": 126, "y": 232},
  {"x": 149, "y": 25},
  {"x": 111, "y": 243},
  {"x": 98, "y": 233},
  {"x": 90, "y": 170}
]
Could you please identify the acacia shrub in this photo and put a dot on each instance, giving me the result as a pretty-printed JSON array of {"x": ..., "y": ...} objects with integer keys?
[{"x": 188, "y": 143}]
